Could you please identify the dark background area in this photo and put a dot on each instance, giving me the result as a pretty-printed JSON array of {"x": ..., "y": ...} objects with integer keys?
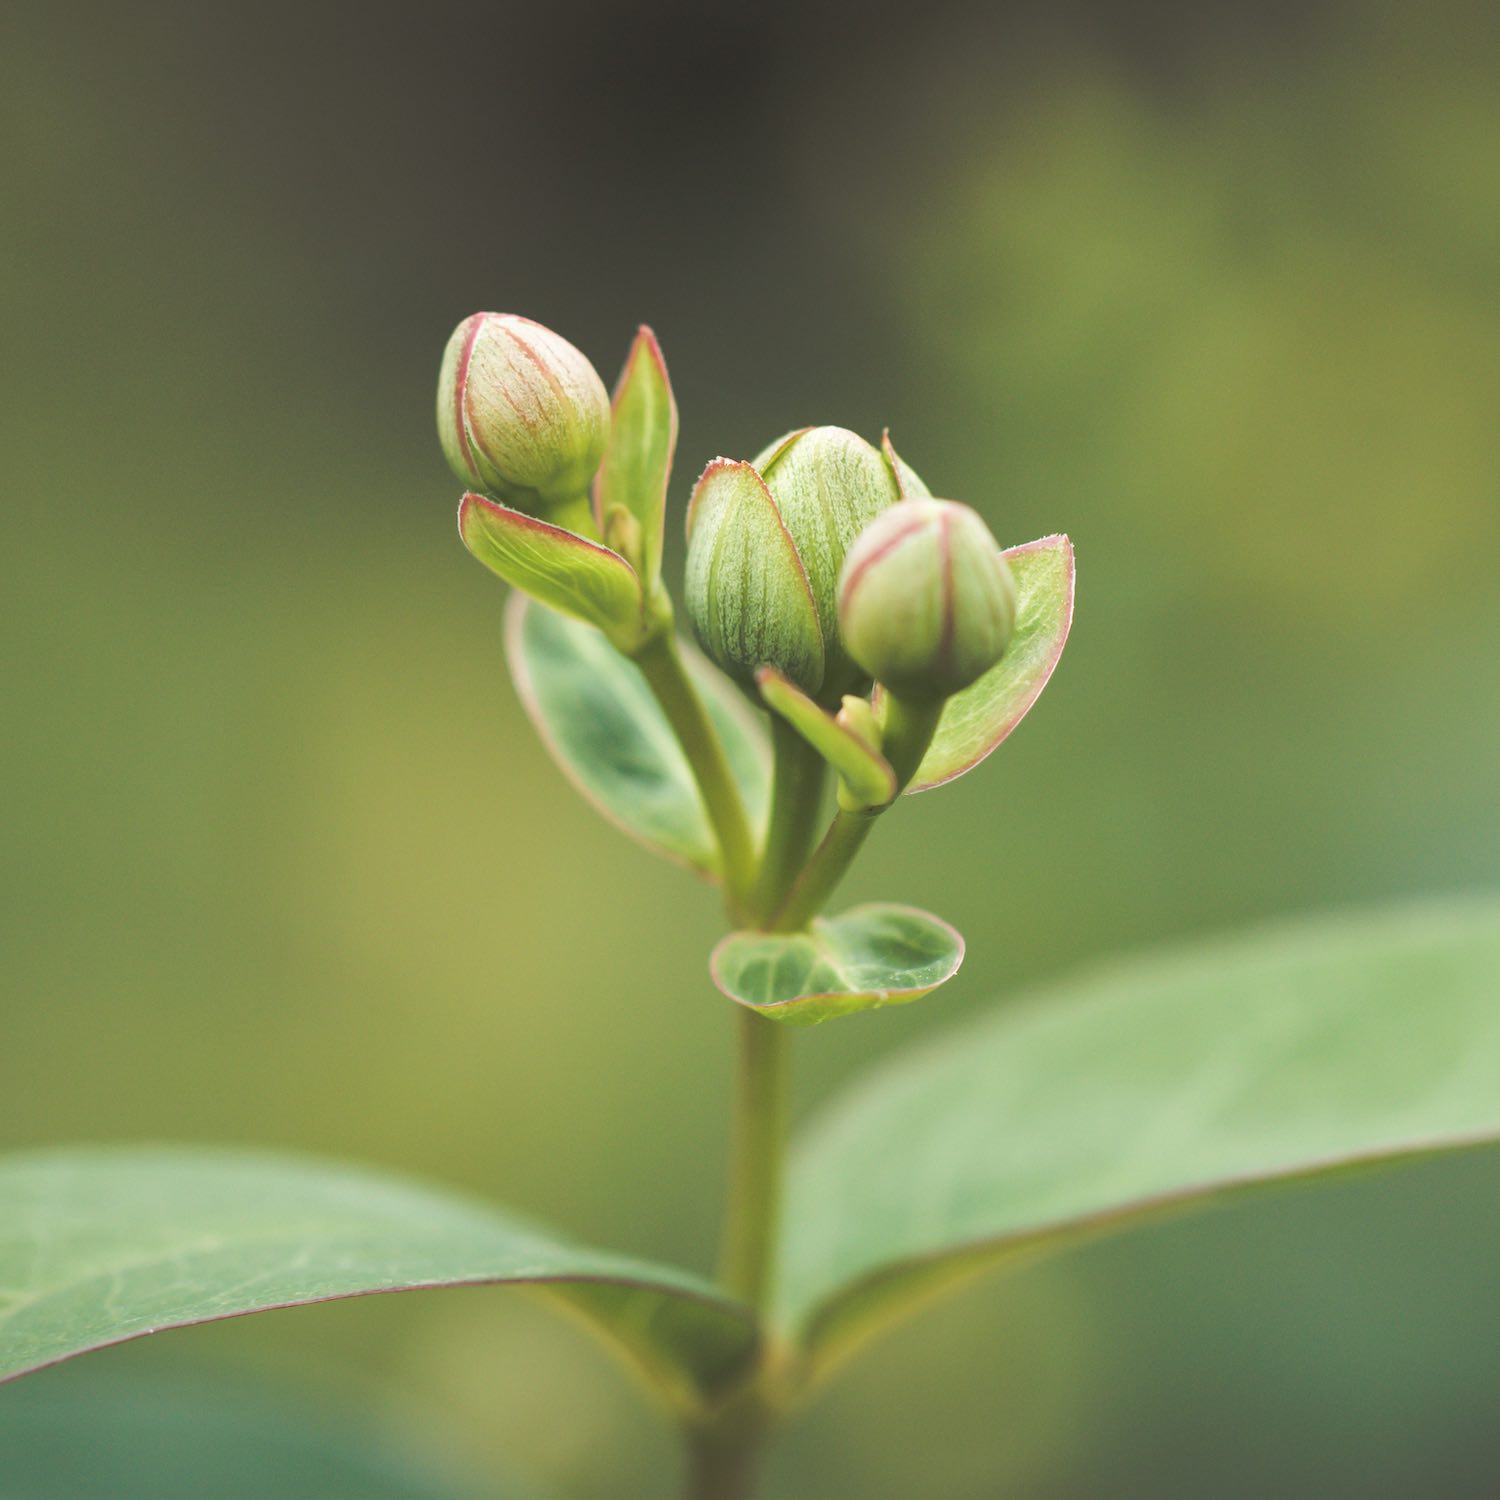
[{"x": 1212, "y": 288}]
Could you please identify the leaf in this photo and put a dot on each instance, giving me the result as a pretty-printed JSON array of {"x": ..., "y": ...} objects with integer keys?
[
  {"x": 98, "y": 1246},
  {"x": 1160, "y": 1084},
  {"x": 747, "y": 592},
  {"x": 642, "y": 439},
  {"x": 976, "y": 720},
  {"x": 864, "y": 772},
  {"x": 603, "y": 727},
  {"x": 97, "y": 1431},
  {"x": 559, "y": 567},
  {"x": 880, "y": 954}
]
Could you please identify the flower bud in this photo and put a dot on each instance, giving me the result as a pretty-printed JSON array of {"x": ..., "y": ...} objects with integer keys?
[
  {"x": 828, "y": 484},
  {"x": 927, "y": 604},
  {"x": 522, "y": 415},
  {"x": 825, "y": 485}
]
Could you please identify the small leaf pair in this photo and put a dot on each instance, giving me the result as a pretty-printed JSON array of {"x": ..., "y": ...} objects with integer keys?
[
  {"x": 874, "y": 955},
  {"x": 615, "y": 586}
]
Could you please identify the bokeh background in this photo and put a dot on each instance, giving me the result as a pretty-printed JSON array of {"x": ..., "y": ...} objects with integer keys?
[{"x": 1214, "y": 288}]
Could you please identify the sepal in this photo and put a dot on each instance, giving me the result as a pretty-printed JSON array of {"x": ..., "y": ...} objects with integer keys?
[
  {"x": 865, "y": 776},
  {"x": 638, "y": 461},
  {"x": 562, "y": 569}
]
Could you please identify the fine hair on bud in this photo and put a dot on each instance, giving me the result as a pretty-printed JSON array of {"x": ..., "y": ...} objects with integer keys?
[
  {"x": 522, "y": 415},
  {"x": 766, "y": 541}
]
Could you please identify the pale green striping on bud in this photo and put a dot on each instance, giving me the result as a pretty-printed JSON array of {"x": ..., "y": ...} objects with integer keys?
[
  {"x": 745, "y": 589},
  {"x": 522, "y": 415},
  {"x": 828, "y": 484},
  {"x": 927, "y": 604}
]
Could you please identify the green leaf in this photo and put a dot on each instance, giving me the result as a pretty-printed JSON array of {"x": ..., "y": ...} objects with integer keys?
[
  {"x": 880, "y": 954},
  {"x": 97, "y": 1432},
  {"x": 642, "y": 439},
  {"x": 866, "y": 775},
  {"x": 559, "y": 567},
  {"x": 603, "y": 727},
  {"x": 1159, "y": 1084},
  {"x": 98, "y": 1246},
  {"x": 976, "y": 720}
]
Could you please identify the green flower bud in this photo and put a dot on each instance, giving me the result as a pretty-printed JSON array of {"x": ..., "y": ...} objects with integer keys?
[
  {"x": 927, "y": 604},
  {"x": 522, "y": 415},
  {"x": 771, "y": 587}
]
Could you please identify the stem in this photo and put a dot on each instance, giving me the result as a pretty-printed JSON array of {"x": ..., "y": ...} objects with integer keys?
[
  {"x": 907, "y": 731},
  {"x": 661, "y": 663},
  {"x": 909, "y": 728},
  {"x": 795, "y": 797},
  {"x": 724, "y": 1460},
  {"x": 757, "y": 1150},
  {"x": 576, "y": 516},
  {"x": 844, "y": 839},
  {"x": 725, "y": 1447}
]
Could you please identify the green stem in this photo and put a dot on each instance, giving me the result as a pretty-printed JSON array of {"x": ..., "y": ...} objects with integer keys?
[
  {"x": 845, "y": 837},
  {"x": 756, "y": 1153},
  {"x": 725, "y": 1447},
  {"x": 796, "y": 794},
  {"x": 661, "y": 663},
  {"x": 724, "y": 1458},
  {"x": 575, "y": 515},
  {"x": 908, "y": 731}
]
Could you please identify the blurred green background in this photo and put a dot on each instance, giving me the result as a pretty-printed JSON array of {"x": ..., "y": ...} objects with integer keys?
[{"x": 1215, "y": 289}]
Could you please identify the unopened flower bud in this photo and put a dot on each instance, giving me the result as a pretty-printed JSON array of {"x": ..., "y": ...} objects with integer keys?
[
  {"x": 522, "y": 415},
  {"x": 826, "y": 485},
  {"x": 927, "y": 604}
]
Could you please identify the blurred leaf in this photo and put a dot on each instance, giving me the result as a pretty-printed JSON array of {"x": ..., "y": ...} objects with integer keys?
[
  {"x": 98, "y": 1246},
  {"x": 87, "y": 1435},
  {"x": 560, "y": 568},
  {"x": 976, "y": 720},
  {"x": 880, "y": 954},
  {"x": 642, "y": 438},
  {"x": 1154, "y": 1085},
  {"x": 863, "y": 770},
  {"x": 603, "y": 727}
]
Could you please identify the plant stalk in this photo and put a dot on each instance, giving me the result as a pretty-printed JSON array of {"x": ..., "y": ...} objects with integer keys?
[
  {"x": 757, "y": 1151},
  {"x": 845, "y": 837},
  {"x": 908, "y": 731},
  {"x": 796, "y": 796},
  {"x": 661, "y": 663},
  {"x": 724, "y": 1457},
  {"x": 789, "y": 890}
]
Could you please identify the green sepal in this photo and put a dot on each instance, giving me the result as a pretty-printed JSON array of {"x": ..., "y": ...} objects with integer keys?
[
  {"x": 1145, "y": 1088},
  {"x": 976, "y": 720},
  {"x": 874, "y": 955},
  {"x": 601, "y": 723},
  {"x": 559, "y": 567},
  {"x": 638, "y": 461},
  {"x": 865, "y": 776},
  {"x": 101, "y": 1245},
  {"x": 747, "y": 592},
  {"x": 908, "y": 481}
]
